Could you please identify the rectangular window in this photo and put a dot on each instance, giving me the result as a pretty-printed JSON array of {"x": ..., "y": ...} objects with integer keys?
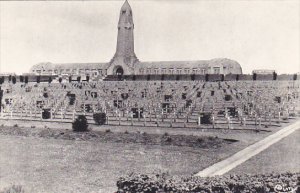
[
  {"x": 224, "y": 70},
  {"x": 216, "y": 70},
  {"x": 194, "y": 70},
  {"x": 187, "y": 71},
  {"x": 171, "y": 71}
]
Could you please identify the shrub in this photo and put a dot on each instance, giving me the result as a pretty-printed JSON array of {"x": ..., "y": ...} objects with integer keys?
[
  {"x": 107, "y": 131},
  {"x": 144, "y": 133},
  {"x": 16, "y": 125},
  {"x": 50, "y": 79},
  {"x": 38, "y": 79},
  {"x": 206, "y": 77},
  {"x": 14, "y": 80},
  {"x": 26, "y": 79},
  {"x": 60, "y": 79},
  {"x": 168, "y": 139},
  {"x": 80, "y": 124},
  {"x": 254, "y": 76},
  {"x": 200, "y": 140},
  {"x": 126, "y": 132},
  {"x": 295, "y": 77},
  {"x": 234, "y": 183},
  {"x": 14, "y": 189},
  {"x": 99, "y": 118},
  {"x": 222, "y": 77},
  {"x": 193, "y": 77},
  {"x": 274, "y": 76},
  {"x": 2, "y": 80}
]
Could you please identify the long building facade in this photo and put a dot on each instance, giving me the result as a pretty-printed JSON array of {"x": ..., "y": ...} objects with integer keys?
[{"x": 125, "y": 62}]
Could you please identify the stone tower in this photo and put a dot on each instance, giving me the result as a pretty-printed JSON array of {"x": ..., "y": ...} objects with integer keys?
[{"x": 124, "y": 58}]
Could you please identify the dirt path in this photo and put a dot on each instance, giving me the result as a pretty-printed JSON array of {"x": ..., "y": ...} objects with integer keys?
[{"x": 240, "y": 157}]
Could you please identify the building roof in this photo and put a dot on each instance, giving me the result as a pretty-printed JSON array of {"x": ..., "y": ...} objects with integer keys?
[
  {"x": 50, "y": 66},
  {"x": 191, "y": 64},
  {"x": 172, "y": 64},
  {"x": 218, "y": 62}
]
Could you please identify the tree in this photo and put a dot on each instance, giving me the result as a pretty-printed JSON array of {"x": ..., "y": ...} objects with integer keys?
[
  {"x": 78, "y": 79},
  {"x": 193, "y": 77},
  {"x": 38, "y": 79},
  {"x": 80, "y": 124},
  {"x": 295, "y": 77},
  {"x": 222, "y": 77},
  {"x": 60, "y": 79},
  {"x": 237, "y": 77},
  {"x": 26, "y": 79},
  {"x": 21, "y": 78},
  {"x": 70, "y": 78},
  {"x": 14, "y": 80},
  {"x": 50, "y": 79},
  {"x": 9, "y": 78},
  {"x": 99, "y": 118},
  {"x": 206, "y": 77},
  {"x": 274, "y": 76},
  {"x": 87, "y": 78},
  {"x": 254, "y": 76}
]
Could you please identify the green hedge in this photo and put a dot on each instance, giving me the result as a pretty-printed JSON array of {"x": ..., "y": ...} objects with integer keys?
[
  {"x": 261, "y": 183},
  {"x": 99, "y": 118}
]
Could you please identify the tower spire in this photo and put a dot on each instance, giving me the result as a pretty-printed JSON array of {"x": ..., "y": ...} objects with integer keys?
[{"x": 125, "y": 43}]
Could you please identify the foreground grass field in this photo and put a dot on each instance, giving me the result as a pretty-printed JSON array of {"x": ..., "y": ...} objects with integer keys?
[
  {"x": 283, "y": 156},
  {"x": 42, "y": 164},
  {"x": 50, "y": 165}
]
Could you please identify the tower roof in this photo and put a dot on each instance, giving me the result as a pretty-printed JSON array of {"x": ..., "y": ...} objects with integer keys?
[
  {"x": 126, "y": 6},
  {"x": 125, "y": 15}
]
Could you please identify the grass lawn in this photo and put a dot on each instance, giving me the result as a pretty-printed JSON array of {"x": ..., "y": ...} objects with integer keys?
[
  {"x": 55, "y": 165},
  {"x": 42, "y": 164},
  {"x": 283, "y": 156}
]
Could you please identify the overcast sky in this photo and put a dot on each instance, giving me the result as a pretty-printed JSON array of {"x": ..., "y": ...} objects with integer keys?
[{"x": 260, "y": 34}]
